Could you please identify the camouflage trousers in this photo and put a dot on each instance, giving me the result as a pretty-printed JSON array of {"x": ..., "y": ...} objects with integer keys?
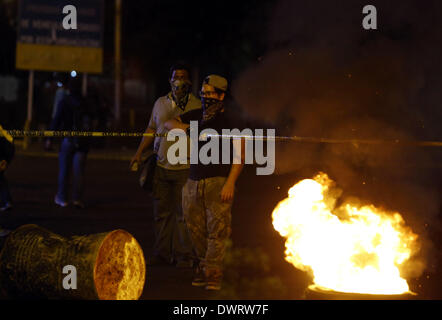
[{"x": 208, "y": 220}]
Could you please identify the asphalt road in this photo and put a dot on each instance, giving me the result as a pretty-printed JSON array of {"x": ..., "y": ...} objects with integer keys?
[{"x": 115, "y": 201}]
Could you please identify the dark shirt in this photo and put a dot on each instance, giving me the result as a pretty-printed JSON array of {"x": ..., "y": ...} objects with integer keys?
[
  {"x": 70, "y": 116},
  {"x": 7, "y": 150},
  {"x": 221, "y": 121},
  {"x": 64, "y": 118}
]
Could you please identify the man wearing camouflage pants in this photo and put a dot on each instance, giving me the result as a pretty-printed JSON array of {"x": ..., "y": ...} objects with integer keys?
[{"x": 208, "y": 193}]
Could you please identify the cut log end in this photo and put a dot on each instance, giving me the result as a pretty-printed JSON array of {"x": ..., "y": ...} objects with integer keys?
[{"x": 119, "y": 272}]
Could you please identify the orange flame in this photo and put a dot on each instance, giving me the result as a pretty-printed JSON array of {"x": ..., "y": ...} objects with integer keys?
[{"x": 361, "y": 251}]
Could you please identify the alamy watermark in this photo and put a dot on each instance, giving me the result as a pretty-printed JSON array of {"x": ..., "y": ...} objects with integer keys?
[
  {"x": 214, "y": 153},
  {"x": 70, "y": 281},
  {"x": 370, "y": 21},
  {"x": 70, "y": 20}
]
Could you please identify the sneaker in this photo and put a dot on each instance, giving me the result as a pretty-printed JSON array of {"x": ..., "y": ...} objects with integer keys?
[
  {"x": 60, "y": 203},
  {"x": 7, "y": 206},
  {"x": 214, "y": 279},
  {"x": 184, "y": 264},
  {"x": 79, "y": 205},
  {"x": 4, "y": 232},
  {"x": 199, "y": 278},
  {"x": 213, "y": 286}
]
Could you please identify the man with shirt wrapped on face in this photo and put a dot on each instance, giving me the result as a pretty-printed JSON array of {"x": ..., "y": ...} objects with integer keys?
[
  {"x": 172, "y": 243},
  {"x": 209, "y": 191}
]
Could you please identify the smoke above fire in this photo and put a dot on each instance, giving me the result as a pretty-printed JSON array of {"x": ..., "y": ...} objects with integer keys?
[{"x": 325, "y": 76}]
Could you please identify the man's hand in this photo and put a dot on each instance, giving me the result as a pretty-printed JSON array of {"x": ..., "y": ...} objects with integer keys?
[
  {"x": 145, "y": 142},
  {"x": 136, "y": 159},
  {"x": 48, "y": 145},
  {"x": 227, "y": 192},
  {"x": 3, "y": 165}
]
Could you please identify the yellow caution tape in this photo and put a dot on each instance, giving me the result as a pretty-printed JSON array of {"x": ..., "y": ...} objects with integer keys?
[
  {"x": 9, "y": 134},
  {"x": 65, "y": 134}
]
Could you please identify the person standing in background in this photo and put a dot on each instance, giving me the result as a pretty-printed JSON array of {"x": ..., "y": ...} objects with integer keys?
[
  {"x": 7, "y": 151},
  {"x": 60, "y": 93},
  {"x": 73, "y": 114},
  {"x": 172, "y": 243}
]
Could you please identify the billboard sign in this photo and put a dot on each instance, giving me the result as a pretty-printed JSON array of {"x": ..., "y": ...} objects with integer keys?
[{"x": 44, "y": 43}]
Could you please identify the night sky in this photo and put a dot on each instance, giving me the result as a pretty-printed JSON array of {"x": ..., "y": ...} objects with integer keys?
[{"x": 219, "y": 37}]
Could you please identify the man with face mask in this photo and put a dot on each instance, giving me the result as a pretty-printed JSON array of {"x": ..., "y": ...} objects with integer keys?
[
  {"x": 209, "y": 191},
  {"x": 172, "y": 243}
]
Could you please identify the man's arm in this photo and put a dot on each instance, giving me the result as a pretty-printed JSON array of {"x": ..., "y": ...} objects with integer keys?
[
  {"x": 3, "y": 165},
  {"x": 176, "y": 124},
  {"x": 7, "y": 149},
  {"x": 228, "y": 190},
  {"x": 146, "y": 141},
  {"x": 58, "y": 118},
  {"x": 144, "y": 144},
  {"x": 56, "y": 122},
  {"x": 182, "y": 122}
]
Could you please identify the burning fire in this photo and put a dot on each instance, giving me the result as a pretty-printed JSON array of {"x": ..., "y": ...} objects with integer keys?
[{"x": 346, "y": 248}]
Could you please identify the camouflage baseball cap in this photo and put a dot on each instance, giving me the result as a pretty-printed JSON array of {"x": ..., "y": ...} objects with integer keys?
[{"x": 216, "y": 81}]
